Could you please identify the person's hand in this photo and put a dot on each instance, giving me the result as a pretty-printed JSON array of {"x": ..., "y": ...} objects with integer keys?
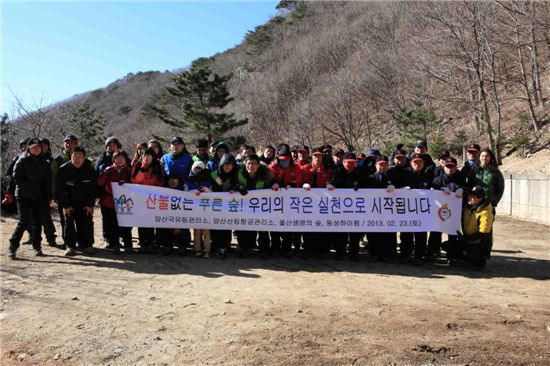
[
  {"x": 204, "y": 189},
  {"x": 275, "y": 187},
  {"x": 8, "y": 199},
  {"x": 243, "y": 191},
  {"x": 197, "y": 193},
  {"x": 459, "y": 193},
  {"x": 307, "y": 186},
  {"x": 219, "y": 181},
  {"x": 89, "y": 211},
  {"x": 390, "y": 188},
  {"x": 446, "y": 190},
  {"x": 355, "y": 187},
  {"x": 330, "y": 187},
  {"x": 232, "y": 191},
  {"x": 121, "y": 182},
  {"x": 67, "y": 211},
  {"x": 406, "y": 187},
  {"x": 287, "y": 187}
]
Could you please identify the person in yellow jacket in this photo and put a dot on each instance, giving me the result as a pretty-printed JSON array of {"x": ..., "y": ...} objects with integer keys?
[{"x": 477, "y": 223}]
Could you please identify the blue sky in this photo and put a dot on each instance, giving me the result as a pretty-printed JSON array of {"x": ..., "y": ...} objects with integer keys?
[{"x": 52, "y": 51}]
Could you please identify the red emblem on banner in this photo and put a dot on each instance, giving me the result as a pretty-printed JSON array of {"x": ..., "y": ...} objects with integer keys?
[{"x": 444, "y": 213}]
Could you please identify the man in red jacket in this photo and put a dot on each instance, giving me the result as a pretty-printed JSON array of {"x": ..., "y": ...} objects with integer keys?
[{"x": 285, "y": 174}]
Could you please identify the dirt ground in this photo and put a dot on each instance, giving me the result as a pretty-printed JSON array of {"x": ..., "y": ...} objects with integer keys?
[{"x": 154, "y": 310}]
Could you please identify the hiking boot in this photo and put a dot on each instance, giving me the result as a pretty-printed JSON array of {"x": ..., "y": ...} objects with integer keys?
[
  {"x": 206, "y": 255},
  {"x": 11, "y": 254},
  {"x": 69, "y": 252},
  {"x": 52, "y": 244},
  {"x": 38, "y": 253},
  {"x": 198, "y": 254}
]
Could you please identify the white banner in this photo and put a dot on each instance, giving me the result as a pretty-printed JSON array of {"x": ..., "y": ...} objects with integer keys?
[{"x": 295, "y": 209}]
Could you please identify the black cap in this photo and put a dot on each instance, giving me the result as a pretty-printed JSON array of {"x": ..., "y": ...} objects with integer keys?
[
  {"x": 371, "y": 153},
  {"x": 450, "y": 161},
  {"x": 478, "y": 191},
  {"x": 475, "y": 147},
  {"x": 382, "y": 158},
  {"x": 304, "y": 148},
  {"x": 23, "y": 142},
  {"x": 46, "y": 141},
  {"x": 70, "y": 138},
  {"x": 34, "y": 141},
  {"x": 350, "y": 155},
  {"x": 421, "y": 143},
  {"x": 177, "y": 140}
]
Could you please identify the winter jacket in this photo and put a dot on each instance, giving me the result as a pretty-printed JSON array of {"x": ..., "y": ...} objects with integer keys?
[
  {"x": 76, "y": 186},
  {"x": 108, "y": 176},
  {"x": 225, "y": 182},
  {"x": 196, "y": 181},
  {"x": 145, "y": 175},
  {"x": 399, "y": 176},
  {"x": 33, "y": 178},
  {"x": 57, "y": 162},
  {"x": 261, "y": 180},
  {"x": 177, "y": 163},
  {"x": 492, "y": 182},
  {"x": 317, "y": 177},
  {"x": 453, "y": 182},
  {"x": 290, "y": 176},
  {"x": 420, "y": 180},
  {"x": 379, "y": 180},
  {"x": 477, "y": 222},
  {"x": 355, "y": 179}
]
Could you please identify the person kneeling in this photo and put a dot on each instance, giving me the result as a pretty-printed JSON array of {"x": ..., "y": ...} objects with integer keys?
[{"x": 477, "y": 223}]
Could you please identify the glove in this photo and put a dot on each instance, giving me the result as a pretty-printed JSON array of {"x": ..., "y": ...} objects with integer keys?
[
  {"x": 330, "y": 187},
  {"x": 406, "y": 187},
  {"x": 197, "y": 193},
  {"x": 204, "y": 190},
  {"x": 390, "y": 189},
  {"x": 446, "y": 190},
  {"x": 355, "y": 186},
  {"x": 121, "y": 182},
  {"x": 275, "y": 187},
  {"x": 459, "y": 193},
  {"x": 244, "y": 191},
  {"x": 307, "y": 186},
  {"x": 8, "y": 199}
]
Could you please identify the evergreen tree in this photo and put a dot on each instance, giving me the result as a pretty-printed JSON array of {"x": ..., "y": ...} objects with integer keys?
[
  {"x": 88, "y": 125},
  {"x": 194, "y": 101}
]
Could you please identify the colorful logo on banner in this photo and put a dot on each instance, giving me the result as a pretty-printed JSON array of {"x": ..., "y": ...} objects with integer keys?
[
  {"x": 444, "y": 213},
  {"x": 124, "y": 205}
]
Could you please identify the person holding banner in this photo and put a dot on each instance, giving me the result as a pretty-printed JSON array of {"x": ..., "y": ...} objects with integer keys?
[
  {"x": 224, "y": 179},
  {"x": 147, "y": 171},
  {"x": 199, "y": 181},
  {"x": 167, "y": 239},
  {"x": 178, "y": 160},
  {"x": 347, "y": 175},
  {"x": 477, "y": 224},
  {"x": 251, "y": 177},
  {"x": 288, "y": 175},
  {"x": 415, "y": 242},
  {"x": 76, "y": 195},
  {"x": 119, "y": 172},
  {"x": 382, "y": 246},
  {"x": 451, "y": 180},
  {"x": 317, "y": 175}
]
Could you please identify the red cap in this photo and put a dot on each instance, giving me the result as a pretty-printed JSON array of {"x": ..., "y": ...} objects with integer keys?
[
  {"x": 283, "y": 157},
  {"x": 317, "y": 153}
]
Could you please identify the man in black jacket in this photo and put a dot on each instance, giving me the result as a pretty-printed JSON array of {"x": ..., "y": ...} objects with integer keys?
[
  {"x": 347, "y": 175},
  {"x": 76, "y": 193},
  {"x": 32, "y": 177},
  {"x": 420, "y": 178}
]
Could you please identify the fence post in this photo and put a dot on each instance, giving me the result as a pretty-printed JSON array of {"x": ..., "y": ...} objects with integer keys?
[{"x": 511, "y": 193}]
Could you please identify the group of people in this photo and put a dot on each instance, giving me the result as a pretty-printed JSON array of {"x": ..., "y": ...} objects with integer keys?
[{"x": 37, "y": 179}]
